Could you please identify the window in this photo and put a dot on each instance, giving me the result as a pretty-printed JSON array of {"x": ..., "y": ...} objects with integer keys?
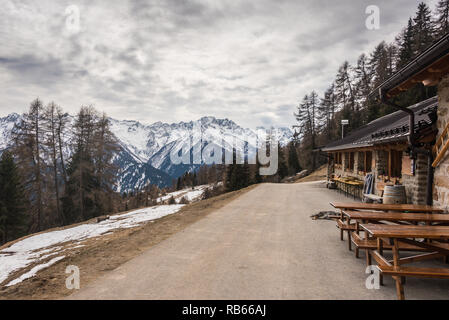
[
  {"x": 361, "y": 162},
  {"x": 395, "y": 164},
  {"x": 349, "y": 157},
  {"x": 338, "y": 158},
  {"x": 368, "y": 161}
]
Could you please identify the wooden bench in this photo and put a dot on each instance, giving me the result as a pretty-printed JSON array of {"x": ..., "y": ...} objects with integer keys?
[
  {"x": 439, "y": 273},
  {"x": 399, "y": 234},
  {"x": 371, "y": 244},
  {"x": 345, "y": 226}
]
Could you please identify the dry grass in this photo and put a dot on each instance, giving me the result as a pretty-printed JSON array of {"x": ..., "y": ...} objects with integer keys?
[
  {"x": 102, "y": 254},
  {"x": 317, "y": 175}
]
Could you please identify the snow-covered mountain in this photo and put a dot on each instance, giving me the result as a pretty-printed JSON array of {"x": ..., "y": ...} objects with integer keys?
[
  {"x": 154, "y": 143},
  {"x": 145, "y": 149}
]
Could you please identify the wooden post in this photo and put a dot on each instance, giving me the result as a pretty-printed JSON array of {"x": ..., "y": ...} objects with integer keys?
[
  {"x": 380, "y": 250},
  {"x": 389, "y": 164},
  {"x": 399, "y": 282}
]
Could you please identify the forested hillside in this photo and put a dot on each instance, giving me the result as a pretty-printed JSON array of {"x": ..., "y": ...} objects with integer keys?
[{"x": 319, "y": 118}]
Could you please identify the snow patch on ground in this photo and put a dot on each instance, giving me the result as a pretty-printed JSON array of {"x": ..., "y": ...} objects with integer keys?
[
  {"x": 190, "y": 194},
  {"x": 41, "y": 246},
  {"x": 34, "y": 270}
]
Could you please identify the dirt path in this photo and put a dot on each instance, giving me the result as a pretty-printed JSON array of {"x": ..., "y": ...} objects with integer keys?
[
  {"x": 262, "y": 245},
  {"x": 100, "y": 255}
]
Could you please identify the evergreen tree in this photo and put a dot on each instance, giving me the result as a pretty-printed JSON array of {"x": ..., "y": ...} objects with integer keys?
[
  {"x": 245, "y": 175},
  {"x": 326, "y": 113},
  {"x": 405, "y": 45},
  {"x": 293, "y": 161},
  {"x": 423, "y": 29},
  {"x": 307, "y": 117},
  {"x": 442, "y": 11},
  {"x": 257, "y": 176},
  {"x": 282, "y": 164},
  {"x": 13, "y": 219},
  {"x": 230, "y": 176},
  {"x": 78, "y": 203}
]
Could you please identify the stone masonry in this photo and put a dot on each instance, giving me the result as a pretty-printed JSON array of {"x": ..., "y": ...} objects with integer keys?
[{"x": 441, "y": 182}]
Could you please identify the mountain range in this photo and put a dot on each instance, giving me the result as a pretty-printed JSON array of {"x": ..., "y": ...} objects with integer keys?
[{"x": 145, "y": 150}]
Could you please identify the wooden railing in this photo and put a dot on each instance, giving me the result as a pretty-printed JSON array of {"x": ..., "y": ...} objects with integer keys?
[{"x": 441, "y": 146}]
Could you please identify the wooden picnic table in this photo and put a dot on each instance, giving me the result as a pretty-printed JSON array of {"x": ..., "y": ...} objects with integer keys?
[
  {"x": 346, "y": 226},
  {"x": 406, "y": 234},
  {"x": 378, "y": 217}
]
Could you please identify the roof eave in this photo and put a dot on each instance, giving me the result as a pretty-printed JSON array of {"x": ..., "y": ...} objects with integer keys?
[{"x": 437, "y": 51}]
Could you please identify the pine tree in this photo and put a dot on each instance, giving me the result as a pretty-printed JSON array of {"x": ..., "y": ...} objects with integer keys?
[
  {"x": 78, "y": 202},
  {"x": 405, "y": 44},
  {"x": 246, "y": 181},
  {"x": 326, "y": 112},
  {"x": 423, "y": 29},
  {"x": 381, "y": 63},
  {"x": 257, "y": 176},
  {"x": 293, "y": 161},
  {"x": 442, "y": 22},
  {"x": 13, "y": 218},
  {"x": 230, "y": 176},
  {"x": 105, "y": 146},
  {"x": 307, "y": 117},
  {"x": 282, "y": 164}
]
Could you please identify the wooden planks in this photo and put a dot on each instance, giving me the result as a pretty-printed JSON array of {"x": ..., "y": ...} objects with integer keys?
[
  {"x": 396, "y": 216},
  {"x": 403, "y": 231},
  {"x": 385, "y": 207},
  {"x": 438, "y": 273},
  {"x": 371, "y": 244},
  {"x": 441, "y": 146}
]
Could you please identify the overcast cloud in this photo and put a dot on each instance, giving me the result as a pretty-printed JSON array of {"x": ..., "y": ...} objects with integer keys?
[{"x": 173, "y": 60}]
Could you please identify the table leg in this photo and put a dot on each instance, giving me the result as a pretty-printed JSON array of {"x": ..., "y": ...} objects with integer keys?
[
  {"x": 357, "y": 231},
  {"x": 380, "y": 249},
  {"x": 367, "y": 252},
  {"x": 399, "y": 282},
  {"x": 349, "y": 240}
]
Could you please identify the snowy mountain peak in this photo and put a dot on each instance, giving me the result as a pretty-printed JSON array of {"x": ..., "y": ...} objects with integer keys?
[{"x": 146, "y": 149}]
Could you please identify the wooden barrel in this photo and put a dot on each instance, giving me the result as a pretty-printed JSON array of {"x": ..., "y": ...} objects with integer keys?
[{"x": 394, "y": 195}]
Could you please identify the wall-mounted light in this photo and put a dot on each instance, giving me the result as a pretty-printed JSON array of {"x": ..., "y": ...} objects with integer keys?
[{"x": 343, "y": 124}]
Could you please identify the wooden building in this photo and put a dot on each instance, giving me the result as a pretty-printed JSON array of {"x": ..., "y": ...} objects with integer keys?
[
  {"x": 381, "y": 148},
  {"x": 417, "y": 158}
]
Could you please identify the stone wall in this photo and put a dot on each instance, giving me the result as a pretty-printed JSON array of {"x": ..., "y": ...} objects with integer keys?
[
  {"x": 416, "y": 186},
  {"x": 381, "y": 162},
  {"x": 441, "y": 182}
]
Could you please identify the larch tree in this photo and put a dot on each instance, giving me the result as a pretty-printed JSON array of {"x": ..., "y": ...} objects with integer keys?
[
  {"x": 28, "y": 136},
  {"x": 51, "y": 143}
]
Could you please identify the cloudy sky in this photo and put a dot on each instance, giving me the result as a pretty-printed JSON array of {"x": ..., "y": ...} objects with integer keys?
[{"x": 177, "y": 60}]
